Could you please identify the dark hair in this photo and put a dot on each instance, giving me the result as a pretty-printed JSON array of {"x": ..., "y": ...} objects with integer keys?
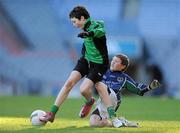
[
  {"x": 124, "y": 59},
  {"x": 79, "y": 11}
]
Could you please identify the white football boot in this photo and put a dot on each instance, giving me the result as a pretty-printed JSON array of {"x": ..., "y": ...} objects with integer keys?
[
  {"x": 116, "y": 122},
  {"x": 127, "y": 123}
]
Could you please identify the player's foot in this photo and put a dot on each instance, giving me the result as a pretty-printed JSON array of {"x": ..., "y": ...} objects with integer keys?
[
  {"x": 48, "y": 117},
  {"x": 116, "y": 122},
  {"x": 127, "y": 123},
  {"x": 86, "y": 108}
]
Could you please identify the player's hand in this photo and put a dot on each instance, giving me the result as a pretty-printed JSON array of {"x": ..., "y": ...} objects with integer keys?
[
  {"x": 85, "y": 34},
  {"x": 154, "y": 84}
]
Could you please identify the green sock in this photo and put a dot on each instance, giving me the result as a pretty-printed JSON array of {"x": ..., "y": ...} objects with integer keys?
[
  {"x": 54, "y": 109},
  {"x": 89, "y": 101},
  {"x": 111, "y": 112}
]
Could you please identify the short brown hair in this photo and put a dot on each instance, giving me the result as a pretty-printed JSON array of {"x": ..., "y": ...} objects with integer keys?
[
  {"x": 124, "y": 59},
  {"x": 79, "y": 11}
]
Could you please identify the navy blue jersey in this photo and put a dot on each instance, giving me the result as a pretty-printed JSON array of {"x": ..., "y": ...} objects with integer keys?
[{"x": 119, "y": 80}]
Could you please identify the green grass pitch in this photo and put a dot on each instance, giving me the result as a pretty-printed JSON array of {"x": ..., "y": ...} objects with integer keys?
[{"x": 155, "y": 115}]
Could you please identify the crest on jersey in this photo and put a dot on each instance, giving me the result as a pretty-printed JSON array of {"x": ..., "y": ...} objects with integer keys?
[{"x": 120, "y": 79}]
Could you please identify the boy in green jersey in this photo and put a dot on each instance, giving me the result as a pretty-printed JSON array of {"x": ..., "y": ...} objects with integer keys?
[{"x": 92, "y": 65}]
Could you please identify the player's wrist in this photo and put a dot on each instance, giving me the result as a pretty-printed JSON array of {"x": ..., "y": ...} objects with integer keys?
[
  {"x": 149, "y": 87},
  {"x": 91, "y": 33}
]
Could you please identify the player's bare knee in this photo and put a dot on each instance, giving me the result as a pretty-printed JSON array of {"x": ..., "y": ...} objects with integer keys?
[
  {"x": 94, "y": 121},
  {"x": 83, "y": 90},
  {"x": 92, "y": 124},
  {"x": 98, "y": 87}
]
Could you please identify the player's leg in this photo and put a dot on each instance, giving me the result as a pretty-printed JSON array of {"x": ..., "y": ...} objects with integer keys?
[
  {"x": 79, "y": 71},
  {"x": 86, "y": 91},
  {"x": 99, "y": 116},
  {"x": 95, "y": 118},
  {"x": 74, "y": 77},
  {"x": 86, "y": 88},
  {"x": 96, "y": 121},
  {"x": 103, "y": 93},
  {"x": 109, "y": 103},
  {"x": 94, "y": 75}
]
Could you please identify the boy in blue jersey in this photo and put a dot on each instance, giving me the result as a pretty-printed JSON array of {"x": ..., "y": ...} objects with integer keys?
[{"x": 115, "y": 80}]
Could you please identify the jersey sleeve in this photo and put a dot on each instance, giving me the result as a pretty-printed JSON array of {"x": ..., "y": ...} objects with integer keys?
[{"x": 134, "y": 87}]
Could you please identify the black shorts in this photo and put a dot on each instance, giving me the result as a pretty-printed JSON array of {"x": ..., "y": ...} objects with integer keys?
[{"x": 93, "y": 71}]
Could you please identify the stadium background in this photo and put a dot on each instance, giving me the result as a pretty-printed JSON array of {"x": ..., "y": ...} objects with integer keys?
[{"x": 39, "y": 46}]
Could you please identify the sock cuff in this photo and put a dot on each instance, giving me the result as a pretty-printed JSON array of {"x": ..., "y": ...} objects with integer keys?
[
  {"x": 90, "y": 101},
  {"x": 111, "y": 112},
  {"x": 54, "y": 109},
  {"x": 110, "y": 108},
  {"x": 144, "y": 91}
]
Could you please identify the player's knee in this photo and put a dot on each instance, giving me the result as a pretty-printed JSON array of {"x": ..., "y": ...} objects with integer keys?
[
  {"x": 92, "y": 124},
  {"x": 83, "y": 90},
  {"x": 94, "y": 121}
]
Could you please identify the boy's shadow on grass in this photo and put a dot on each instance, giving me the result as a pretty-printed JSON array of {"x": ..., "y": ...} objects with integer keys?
[{"x": 72, "y": 129}]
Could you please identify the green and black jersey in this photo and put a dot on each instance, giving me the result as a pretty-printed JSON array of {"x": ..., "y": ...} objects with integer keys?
[{"x": 94, "y": 47}]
